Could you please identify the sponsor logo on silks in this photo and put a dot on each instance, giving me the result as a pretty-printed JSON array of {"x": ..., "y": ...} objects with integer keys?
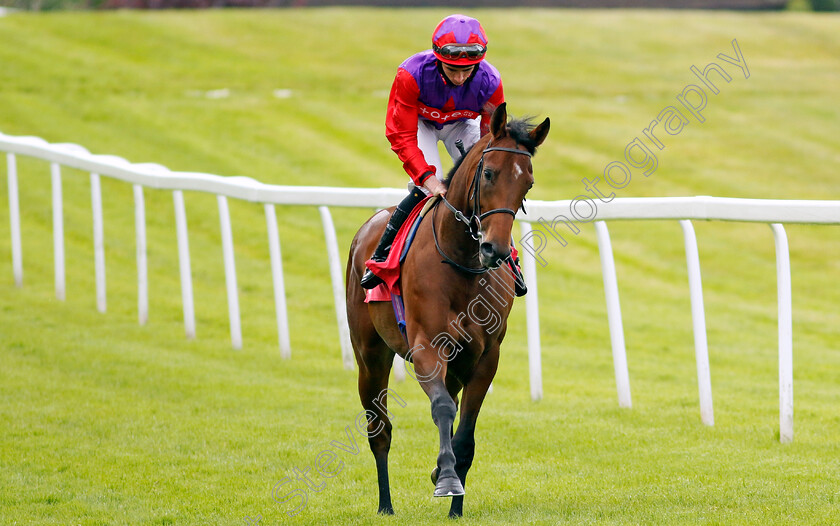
[{"x": 442, "y": 117}]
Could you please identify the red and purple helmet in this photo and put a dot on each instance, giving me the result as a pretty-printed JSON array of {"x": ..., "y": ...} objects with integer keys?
[{"x": 459, "y": 40}]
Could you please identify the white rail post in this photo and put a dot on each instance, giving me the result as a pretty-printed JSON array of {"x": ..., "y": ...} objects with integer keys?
[
  {"x": 98, "y": 242},
  {"x": 184, "y": 263},
  {"x": 532, "y": 310},
  {"x": 279, "y": 284},
  {"x": 14, "y": 219},
  {"x": 58, "y": 231},
  {"x": 399, "y": 368},
  {"x": 785, "y": 335},
  {"x": 230, "y": 273},
  {"x": 338, "y": 287},
  {"x": 142, "y": 267},
  {"x": 622, "y": 377},
  {"x": 698, "y": 317}
]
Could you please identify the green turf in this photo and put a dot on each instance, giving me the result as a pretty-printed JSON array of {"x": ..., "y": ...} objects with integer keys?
[{"x": 103, "y": 421}]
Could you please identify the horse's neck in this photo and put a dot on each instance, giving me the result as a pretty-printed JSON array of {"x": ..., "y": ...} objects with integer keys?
[
  {"x": 457, "y": 194},
  {"x": 459, "y": 189},
  {"x": 453, "y": 235}
]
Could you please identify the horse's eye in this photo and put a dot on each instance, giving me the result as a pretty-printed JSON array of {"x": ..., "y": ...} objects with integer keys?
[{"x": 488, "y": 173}]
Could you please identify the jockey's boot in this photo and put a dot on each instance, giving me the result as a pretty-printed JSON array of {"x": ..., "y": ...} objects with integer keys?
[
  {"x": 519, "y": 287},
  {"x": 369, "y": 279}
]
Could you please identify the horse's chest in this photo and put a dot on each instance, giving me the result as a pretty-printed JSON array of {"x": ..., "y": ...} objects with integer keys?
[{"x": 483, "y": 316}]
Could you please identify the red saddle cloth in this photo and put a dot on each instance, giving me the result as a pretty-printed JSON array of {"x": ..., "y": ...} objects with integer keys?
[{"x": 389, "y": 270}]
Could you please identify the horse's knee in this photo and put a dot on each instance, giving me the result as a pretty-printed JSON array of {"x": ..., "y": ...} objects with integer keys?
[{"x": 443, "y": 408}]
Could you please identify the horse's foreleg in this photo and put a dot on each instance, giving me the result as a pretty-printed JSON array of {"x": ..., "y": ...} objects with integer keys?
[
  {"x": 373, "y": 382},
  {"x": 453, "y": 386},
  {"x": 443, "y": 414},
  {"x": 430, "y": 372},
  {"x": 463, "y": 443}
]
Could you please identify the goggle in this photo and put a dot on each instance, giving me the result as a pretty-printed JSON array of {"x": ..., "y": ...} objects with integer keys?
[{"x": 456, "y": 51}]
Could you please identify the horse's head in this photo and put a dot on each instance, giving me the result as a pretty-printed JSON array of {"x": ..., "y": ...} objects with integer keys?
[{"x": 502, "y": 177}]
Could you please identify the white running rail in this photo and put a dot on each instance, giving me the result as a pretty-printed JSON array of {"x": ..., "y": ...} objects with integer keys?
[{"x": 683, "y": 209}]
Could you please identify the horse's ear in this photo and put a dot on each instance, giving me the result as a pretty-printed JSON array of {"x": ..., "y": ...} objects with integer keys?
[
  {"x": 498, "y": 122},
  {"x": 538, "y": 134}
]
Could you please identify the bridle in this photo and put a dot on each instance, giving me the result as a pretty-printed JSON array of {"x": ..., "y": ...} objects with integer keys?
[{"x": 473, "y": 222}]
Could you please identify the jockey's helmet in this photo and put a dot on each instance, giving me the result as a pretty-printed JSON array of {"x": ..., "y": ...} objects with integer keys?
[{"x": 459, "y": 40}]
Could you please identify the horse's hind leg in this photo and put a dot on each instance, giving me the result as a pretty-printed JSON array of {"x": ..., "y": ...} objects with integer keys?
[
  {"x": 373, "y": 390},
  {"x": 373, "y": 356}
]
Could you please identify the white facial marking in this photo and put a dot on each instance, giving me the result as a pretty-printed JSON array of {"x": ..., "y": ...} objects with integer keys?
[{"x": 517, "y": 171}]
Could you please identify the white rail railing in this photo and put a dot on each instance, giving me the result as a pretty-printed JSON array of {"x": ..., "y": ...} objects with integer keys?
[
  {"x": 684, "y": 209},
  {"x": 154, "y": 176}
]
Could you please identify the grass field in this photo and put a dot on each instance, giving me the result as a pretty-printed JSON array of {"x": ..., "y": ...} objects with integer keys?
[{"x": 103, "y": 421}]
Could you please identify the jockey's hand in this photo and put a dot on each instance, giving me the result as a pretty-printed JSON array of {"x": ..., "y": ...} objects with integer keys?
[{"x": 434, "y": 186}]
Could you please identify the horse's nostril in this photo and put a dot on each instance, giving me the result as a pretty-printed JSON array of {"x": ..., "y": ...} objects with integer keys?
[{"x": 487, "y": 250}]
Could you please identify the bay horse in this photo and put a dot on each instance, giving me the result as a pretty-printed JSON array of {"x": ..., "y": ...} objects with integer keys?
[{"x": 456, "y": 308}]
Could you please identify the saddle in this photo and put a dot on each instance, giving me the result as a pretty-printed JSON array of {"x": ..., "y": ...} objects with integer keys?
[{"x": 389, "y": 270}]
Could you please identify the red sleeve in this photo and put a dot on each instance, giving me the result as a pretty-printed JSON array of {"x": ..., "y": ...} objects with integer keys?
[
  {"x": 401, "y": 126},
  {"x": 492, "y": 103}
]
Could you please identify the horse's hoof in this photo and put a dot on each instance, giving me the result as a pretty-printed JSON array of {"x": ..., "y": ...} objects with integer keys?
[
  {"x": 386, "y": 511},
  {"x": 449, "y": 487},
  {"x": 435, "y": 473}
]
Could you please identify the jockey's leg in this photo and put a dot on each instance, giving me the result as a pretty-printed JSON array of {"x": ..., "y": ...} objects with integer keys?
[
  {"x": 428, "y": 137},
  {"x": 468, "y": 131},
  {"x": 369, "y": 279},
  {"x": 519, "y": 287}
]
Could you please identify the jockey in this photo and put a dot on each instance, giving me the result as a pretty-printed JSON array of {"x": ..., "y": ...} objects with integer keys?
[{"x": 438, "y": 95}]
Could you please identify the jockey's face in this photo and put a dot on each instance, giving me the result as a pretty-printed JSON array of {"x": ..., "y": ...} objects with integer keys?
[{"x": 457, "y": 75}]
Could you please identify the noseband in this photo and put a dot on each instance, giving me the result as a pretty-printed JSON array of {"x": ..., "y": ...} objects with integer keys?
[{"x": 473, "y": 222}]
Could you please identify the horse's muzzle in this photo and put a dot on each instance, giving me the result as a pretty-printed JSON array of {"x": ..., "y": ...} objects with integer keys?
[{"x": 490, "y": 256}]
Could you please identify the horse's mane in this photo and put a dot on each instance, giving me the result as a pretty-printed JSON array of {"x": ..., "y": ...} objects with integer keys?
[{"x": 518, "y": 129}]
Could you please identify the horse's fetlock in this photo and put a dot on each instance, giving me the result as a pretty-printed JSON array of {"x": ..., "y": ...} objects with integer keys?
[
  {"x": 447, "y": 473},
  {"x": 463, "y": 462},
  {"x": 380, "y": 447}
]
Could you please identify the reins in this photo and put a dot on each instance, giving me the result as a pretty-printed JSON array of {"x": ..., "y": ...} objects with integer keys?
[{"x": 473, "y": 222}]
